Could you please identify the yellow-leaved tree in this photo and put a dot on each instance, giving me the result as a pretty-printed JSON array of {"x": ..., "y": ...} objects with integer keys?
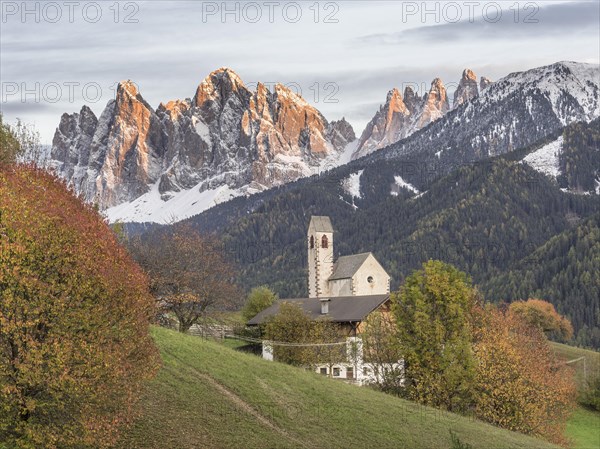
[
  {"x": 519, "y": 383},
  {"x": 74, "y": 319}
]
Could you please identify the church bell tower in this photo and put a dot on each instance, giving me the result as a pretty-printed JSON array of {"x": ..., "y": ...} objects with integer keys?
[{"x": 320, "y": 256}]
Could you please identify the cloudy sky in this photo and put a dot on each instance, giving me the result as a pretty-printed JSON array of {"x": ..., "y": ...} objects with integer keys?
[{"x": 341, "y": 56}]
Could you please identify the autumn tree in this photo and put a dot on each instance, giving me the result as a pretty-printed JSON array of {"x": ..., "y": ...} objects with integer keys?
[
  {"x": 189, "y": 274},
  {"x": 519, "y": 383},
  {"x": 258, "y": 300},
  {"x": 10, "y": 148},
  {"x": 544, "y": 316},
  {"x": 381, "y": 349},
  {"x": 74, "y": 319},
  {"x": 432, "y": 311}
]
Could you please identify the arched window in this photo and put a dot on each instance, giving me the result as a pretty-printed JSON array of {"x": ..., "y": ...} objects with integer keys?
[
  {"x": 312, "y": 241},
  {"x": 324, "y": 242}
]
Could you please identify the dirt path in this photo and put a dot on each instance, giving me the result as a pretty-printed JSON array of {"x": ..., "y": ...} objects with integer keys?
[{"x": 243, "y": 405}]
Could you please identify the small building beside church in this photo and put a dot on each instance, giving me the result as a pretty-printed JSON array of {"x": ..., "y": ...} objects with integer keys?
[{"x": 345, "y": 291}]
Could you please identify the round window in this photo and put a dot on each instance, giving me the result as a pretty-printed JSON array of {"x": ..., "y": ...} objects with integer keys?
[{"x": 370, "y": 279}]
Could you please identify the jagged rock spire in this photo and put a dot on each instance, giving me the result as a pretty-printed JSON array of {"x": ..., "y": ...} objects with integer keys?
[{"x": 467, "y": 88}]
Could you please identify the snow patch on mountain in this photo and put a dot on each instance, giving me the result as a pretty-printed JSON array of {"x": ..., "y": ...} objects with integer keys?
[
  {"x": 351, "y": 184},
  {"x": 400, "y": 183},
  {"x": 157, "y": 207},
  {"x": 151, "y": 208},
  {"x": 202, "y": 130},
  {"x": 346, "y": 154},
  {"x": 546, "y": 159}
]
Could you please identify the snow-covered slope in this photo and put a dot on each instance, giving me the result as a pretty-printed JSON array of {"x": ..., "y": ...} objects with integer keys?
[
  {"x": 400, "y": 183},
  {"x": 150, "y": 207},
  {"x": 351, "y": 184},
  {"x": 546, "y": 159},
  {"x": 154, "y": 207},
  {"x": 577, "y": 175}
]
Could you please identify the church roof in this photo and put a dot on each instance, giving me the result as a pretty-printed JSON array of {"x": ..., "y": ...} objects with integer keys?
[
  {"x": 346, "y": 266},
  {"x": 321, "y": 223},
  {"x": 342, "y": 309}
]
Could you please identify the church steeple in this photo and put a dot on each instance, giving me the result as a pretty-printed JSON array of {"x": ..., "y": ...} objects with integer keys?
[{"x": 320, "y": 256}]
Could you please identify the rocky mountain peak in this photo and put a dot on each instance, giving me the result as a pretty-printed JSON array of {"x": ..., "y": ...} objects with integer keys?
[
  {"x": 218, "y": 86},
  {"x": 438, "y": 96},
  {"x": 400, "y": 116},
  {"x": 435, "y": 105},
  {"x": 467, "y": 88},
  {"x": 389, "y": 125},
  {"x": 86, "y": 115},
  {"x": 411, "y": 100},
  {"x": 175, "y": 108},
  {"x": 283, "y": 93},
  {"x": 73, "y": 138},
  {"x": 227, "y": 76},
  {"x": 484, "y": 82},
  {"x": 468, "y": 74},
  {"x": 127, "y": 88},
  {"x": 129, "y": 100},
  {"x": 393, "y": 95},
  {"x": 395, "y": 104},
  {"x": 340, "y": 133}
]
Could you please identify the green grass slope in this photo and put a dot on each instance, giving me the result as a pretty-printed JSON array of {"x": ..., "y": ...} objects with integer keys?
[
  {"x": 590, "y": 368},
  {"x": 584, "y": 429},
  {"x": 584, "y": 426},
  {"x": 210, "y": 396}
]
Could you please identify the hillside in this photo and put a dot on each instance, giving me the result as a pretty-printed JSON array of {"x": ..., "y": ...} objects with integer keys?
[
  {"x": 210, "y": 396},
  {"x": 565, "y": 271},
  {"x": 568, "y": 353},
  {"x": 583, "y": 425}
]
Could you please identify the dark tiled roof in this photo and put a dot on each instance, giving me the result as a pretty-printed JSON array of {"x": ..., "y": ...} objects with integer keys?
[
  {"x": 342, "y": 309},
  {"x": 321, "y": 223},
  {"x": 346, "y": 266}
]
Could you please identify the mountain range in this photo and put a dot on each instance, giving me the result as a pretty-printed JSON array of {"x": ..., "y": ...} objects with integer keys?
[
  {"x": 144, "y": 165},
  {"x": 226, "y": 140},
  {"x": 401, "y": 115}
]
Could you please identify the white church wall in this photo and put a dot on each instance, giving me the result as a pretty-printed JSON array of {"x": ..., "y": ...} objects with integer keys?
[
  {"x": 371, "y": 279},
  {"x": 340, "y": 287}
]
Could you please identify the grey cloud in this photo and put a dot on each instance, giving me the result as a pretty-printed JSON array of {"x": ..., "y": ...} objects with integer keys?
[{"x": 550, "y": 20}]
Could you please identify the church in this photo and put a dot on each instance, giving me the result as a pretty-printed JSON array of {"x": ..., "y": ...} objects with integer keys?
[
  {"x": 344, "y": 291},
  {"x": 355, "y": 275}
]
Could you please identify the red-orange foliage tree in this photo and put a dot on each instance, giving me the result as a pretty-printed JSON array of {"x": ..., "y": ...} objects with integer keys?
[
  {"x": 74, "y": 319},
  {"x": 519, "y": 383},
  {"x": 542, "y": 314},
  {"x": 189, "y": 274}
]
